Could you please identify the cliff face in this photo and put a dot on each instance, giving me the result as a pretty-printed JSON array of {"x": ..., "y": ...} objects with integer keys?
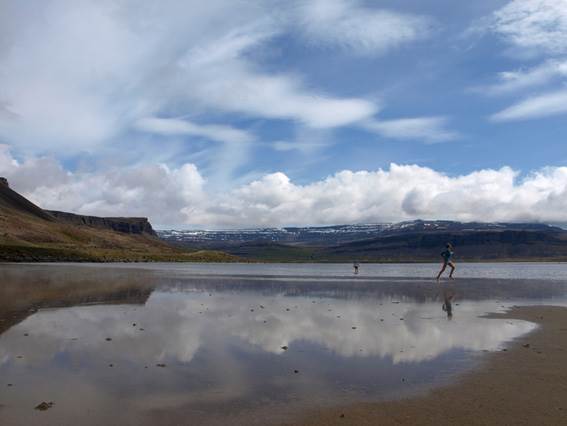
[
  {"x": 10, "y": 199},
  {"x": 127, "y": 225}
]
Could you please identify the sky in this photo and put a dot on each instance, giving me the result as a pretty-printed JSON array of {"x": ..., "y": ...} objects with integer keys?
[{"x": 244, "y": 113}]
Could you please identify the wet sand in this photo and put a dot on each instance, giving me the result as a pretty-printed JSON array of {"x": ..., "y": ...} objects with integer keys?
[{"x": 524, "y": 384}]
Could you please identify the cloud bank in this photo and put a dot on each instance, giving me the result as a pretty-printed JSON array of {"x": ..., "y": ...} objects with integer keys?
[{"x": 179, "y": 196}]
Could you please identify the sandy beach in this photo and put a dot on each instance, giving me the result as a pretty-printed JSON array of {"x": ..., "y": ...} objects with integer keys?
[{"x": 524, "y": 384}]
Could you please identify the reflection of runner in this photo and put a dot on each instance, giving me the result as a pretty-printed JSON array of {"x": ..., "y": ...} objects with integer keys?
[
  {"x": 448, "y": 296},
  {"x": 447, "y": 256},
  {"x": 355, "y": 265}
]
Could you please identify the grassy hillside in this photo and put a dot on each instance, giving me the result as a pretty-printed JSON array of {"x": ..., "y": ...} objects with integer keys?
[{"x": 28, "y": 233}]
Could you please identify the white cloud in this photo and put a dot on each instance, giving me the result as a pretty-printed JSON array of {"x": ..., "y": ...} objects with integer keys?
[
  {"x": 533, "y": 28},
  {"x": 350, "y": 25},
  {"x": 71, "y": 84},
  {"x": 512, "y": 81},
  {"x": 411, "y": 341},
  {"x": 548, "y": 104},
  {"x": 402, "y": 192},
  {"x": 154, "y": 191},
  {"x": 306, "y": 147},
  {"x": 537, "y": 25},
  {"x": 174, "y": 126},
  {"x": 427, "y": 129}
]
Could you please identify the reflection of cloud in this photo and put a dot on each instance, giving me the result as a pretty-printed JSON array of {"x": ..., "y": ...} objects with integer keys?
[{"x": 177, "y": 324}]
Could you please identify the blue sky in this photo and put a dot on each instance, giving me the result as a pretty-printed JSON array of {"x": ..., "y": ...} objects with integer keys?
[{"x": 242, "y": 113}]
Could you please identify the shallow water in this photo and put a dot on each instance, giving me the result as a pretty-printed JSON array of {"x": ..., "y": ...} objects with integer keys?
[{"x": 204, "y": 344}]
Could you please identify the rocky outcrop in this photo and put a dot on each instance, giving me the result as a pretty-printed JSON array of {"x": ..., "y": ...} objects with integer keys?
[{"x": 127, "y": 225}]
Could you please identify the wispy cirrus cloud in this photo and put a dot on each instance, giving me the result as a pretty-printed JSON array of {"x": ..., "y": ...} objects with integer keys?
[
  {"x": 536, "y": 29},
  {"x": 548, "y": 104},
  {"x": 73, "y": 84},
  {"x": 176, "y": 126},
  {"x": 522, "y": 79},
  {"x": 426, "y": 129}
]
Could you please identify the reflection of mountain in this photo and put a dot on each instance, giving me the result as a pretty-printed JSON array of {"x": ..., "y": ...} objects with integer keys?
[{"x": 22, "y": 294}]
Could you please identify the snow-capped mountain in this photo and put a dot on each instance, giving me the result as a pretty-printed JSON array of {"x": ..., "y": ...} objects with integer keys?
[{"x": 335, "y": 234}]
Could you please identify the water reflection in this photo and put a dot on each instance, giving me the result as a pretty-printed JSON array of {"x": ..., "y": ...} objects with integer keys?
[
  {"x": 92, "y": 339},
  {"x": 448, "y": 296}
]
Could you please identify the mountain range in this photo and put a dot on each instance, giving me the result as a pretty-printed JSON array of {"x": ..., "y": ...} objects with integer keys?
[{"x": 417, "y": 240}]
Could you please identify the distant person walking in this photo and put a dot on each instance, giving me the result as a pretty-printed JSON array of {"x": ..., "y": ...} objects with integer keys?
[
  {"x": 447, "y": 256},
  {"x": 355, "y": 266}
]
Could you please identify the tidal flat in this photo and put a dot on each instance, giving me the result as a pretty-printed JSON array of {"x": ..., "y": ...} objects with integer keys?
[{"x": 248, "y": 344}]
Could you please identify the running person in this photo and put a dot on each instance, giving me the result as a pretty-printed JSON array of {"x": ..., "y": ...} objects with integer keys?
[
  {"x": 447, "y": 256},
  {"x": 355, "y": 265}
]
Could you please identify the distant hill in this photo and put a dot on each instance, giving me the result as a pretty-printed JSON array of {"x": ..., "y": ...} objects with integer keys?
[
  {"x": 29, "y": 233},
  {"x": 405, "y": 241}
]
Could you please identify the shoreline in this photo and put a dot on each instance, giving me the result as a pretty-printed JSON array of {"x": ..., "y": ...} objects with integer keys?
[{"x": 525, "y": 383}]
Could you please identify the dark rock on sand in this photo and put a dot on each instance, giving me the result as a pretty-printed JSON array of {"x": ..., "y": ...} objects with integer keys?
[{"x": 44, "y": 406}]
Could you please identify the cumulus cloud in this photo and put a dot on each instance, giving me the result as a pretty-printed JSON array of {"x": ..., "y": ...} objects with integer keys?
[
  {"x": 427, "y": 129},
  {"x": 350, "y": 25},
  {"x": 154, "y": 191},
  {"x": 179, "y": 196}
]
